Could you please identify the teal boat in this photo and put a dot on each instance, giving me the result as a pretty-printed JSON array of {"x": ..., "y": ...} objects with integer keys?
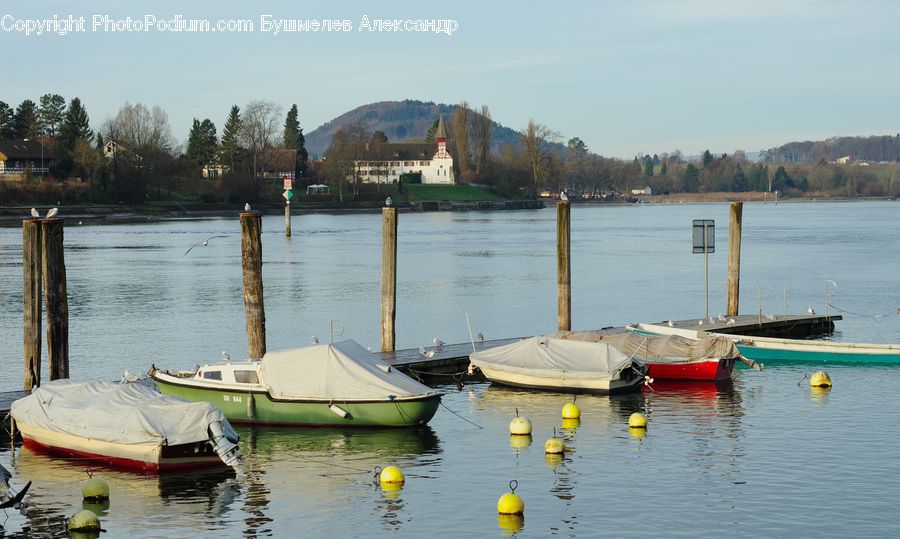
[
  {"x": 330, "y": 385},
  {"x": 774, "y": 349}
]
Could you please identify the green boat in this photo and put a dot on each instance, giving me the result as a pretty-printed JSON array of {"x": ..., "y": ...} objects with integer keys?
[
  {"x": 773, "y": 349},
  {"x": 330, "y": 385}
]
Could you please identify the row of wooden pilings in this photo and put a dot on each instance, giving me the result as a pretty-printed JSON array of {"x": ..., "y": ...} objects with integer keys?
[{"x": 44, "y": 264}]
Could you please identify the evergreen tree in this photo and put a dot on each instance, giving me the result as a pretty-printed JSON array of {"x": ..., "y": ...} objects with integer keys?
[
  {"x": 691, "y": 178},
  {"x": 25, "y": 121},
  {"x": 76, "y": 125},
  {"x": 100, "y": 142},
  {"x": 648, "y": 168},
  {"x": 664, "y": 169},
  {"x": 202, "y": 141},
  {"x": 231, "y": 137},
  {"x": 707, "y": 158},
  {"x": 429, "y": 135},
  {"x": 293, "y": 139},
  {"x": 193, "y": 141},
  {"x": 739, "y": 180},
  {"x": 7, "y": 124},
  {"x": 51, "y": 113}
]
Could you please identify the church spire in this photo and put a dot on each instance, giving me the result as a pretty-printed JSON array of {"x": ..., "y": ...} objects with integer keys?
[{"x": 440, "y": 132}]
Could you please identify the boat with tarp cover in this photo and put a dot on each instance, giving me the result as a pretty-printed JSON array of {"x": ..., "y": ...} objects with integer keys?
[
  {"x": 672, "y": 357},
  {"x": 338, "y": 384},
  {"x": 126, "y": 425}
]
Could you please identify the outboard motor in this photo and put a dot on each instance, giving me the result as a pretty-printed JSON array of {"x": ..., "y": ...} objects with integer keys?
[{"x": 224, "y": 445}]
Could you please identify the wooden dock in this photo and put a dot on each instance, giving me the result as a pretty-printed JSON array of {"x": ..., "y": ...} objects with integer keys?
[{"x": 449, "y": 362}]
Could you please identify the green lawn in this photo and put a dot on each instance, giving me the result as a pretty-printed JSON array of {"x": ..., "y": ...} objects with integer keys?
[{"x": 448, "y": 193}]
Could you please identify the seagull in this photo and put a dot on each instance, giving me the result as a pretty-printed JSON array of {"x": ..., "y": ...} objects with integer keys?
[
  {"x": 7, "y": 501},
  {"x": 810, "y": 310},
  {"x": 52, "y": 212},
  {"x": 721, "y": 317},
  {"x": 388, "y": 202},
  {"x": 480, "y": 337},
  {"x": 314, "y": 340},
  {"x": 225, "y": 356},
  {"x": 422, "y": 350},
  {"x": 203, "y": 243},
  {"x": 247, "y": 207},
  {"x": 35, "y": 213},
  {"x": 426, "y": 353},
  {"x": 128, "y": 377},
  {"x": 563, "y": 196},
  {"x": 438, "y": 343},
  {"x": 670, "y": 324},
  {"x": 712, "y": 320},
  {"x": 730, "y": 322},
  {"x": 700, "y": 322}
]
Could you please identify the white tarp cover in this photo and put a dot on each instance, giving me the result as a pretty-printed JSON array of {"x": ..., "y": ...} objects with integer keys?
[
  {"x": 669, "y": 349},
  {"x": 342, "y": 371},
  {"x": 549, "y": 357},
  {"x": 118, "y": 413}
]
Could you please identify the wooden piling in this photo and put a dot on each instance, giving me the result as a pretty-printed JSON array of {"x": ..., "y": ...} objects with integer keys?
[
  {"x": 563, "y": 268},
  {"x": 388, "y": 278},
  {"x": 251, "y": 264},
  {"x": 56, "y": 297},
  {"x": 32, "y": 271},
  {"x": 287, "y": 219},
  {"x": 734, "y": 258}
]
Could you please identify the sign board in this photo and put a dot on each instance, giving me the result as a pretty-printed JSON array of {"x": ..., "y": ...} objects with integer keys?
[
  {"x": 288, "y": 195},
  {"x": 288, "y": 183},
  {"x": 704, "y": 236}
]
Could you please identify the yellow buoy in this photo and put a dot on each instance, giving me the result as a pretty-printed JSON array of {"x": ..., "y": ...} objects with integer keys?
[
  {"x": 571, "y": 411},
  {"x": 95, "y": 489},
  {"x": 511, "y": 503},
  {"x": 571, "y": 424},
  {"x": 820, "y": 379},
  {"x": 554, "y": 446},
  {"x": 84, "y": 521},
  {"x": 637, "y": 420},
  {"x": 520, "y": 426},
  {"x": 391, "y": 475}
]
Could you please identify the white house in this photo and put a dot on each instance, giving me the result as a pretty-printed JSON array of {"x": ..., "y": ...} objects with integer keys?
[
  {"x": 384, "y": 162},
  {"x": 644, "y": 191}
]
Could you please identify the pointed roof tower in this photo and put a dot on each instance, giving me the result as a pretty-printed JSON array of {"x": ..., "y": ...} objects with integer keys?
[{"x": 440, "y": 132}]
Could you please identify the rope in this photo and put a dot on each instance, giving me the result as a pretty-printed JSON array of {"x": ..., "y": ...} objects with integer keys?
[
  {"x": 461, "y": 417},
  {"x": 875, "y": 317}
]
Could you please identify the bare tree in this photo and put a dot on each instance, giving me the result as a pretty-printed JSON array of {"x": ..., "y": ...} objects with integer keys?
[
  {"x": 482, "y": 137},
  {"x": 537, "y": 140},
  {"x": 459, "y": 128},
  {"x": 344, "y": 155},
  {"x": 260, "y": 134},
  {"x": 143, "y": 135}
]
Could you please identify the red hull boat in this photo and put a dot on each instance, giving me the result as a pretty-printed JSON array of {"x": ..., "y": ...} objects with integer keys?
[{"x": 710, "y": 369}]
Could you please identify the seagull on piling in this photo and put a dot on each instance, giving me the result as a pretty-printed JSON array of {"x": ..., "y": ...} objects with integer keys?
[
  {"x": 35, "y": 213},
  {"x": 247, "y": 207},
  {"x": 52, "y": 212},
  {"x": 388, "y": 202},
  {"x": 810, "y": 310},
  {"x": 563, "y": 196},
  {"x": 203, "y": 243}
]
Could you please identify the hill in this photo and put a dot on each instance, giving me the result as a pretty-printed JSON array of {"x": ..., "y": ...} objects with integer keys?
[
  {"x": 400, "y": 120},
  {"x": 873, "y": 149}
]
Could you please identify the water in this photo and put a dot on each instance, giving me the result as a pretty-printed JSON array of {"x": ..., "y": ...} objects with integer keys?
[{"x": 763, "y": 456}]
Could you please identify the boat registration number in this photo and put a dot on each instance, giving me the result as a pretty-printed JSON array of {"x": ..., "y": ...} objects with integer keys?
[{"x": 232, "y": 398}]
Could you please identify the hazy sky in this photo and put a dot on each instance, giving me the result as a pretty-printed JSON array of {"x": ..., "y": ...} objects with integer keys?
[{"x": 626, "y": 77}]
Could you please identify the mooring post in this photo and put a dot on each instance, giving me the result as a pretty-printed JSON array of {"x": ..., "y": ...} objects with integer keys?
[
  {"x": 563, "y": 268},
  {"x": 251, "y": 264},
  {"x": 32, "y": 271},
  {"x": 734, "y": 258},
  {"x": 388, "y": 277},
  {"x": 56, "y": 297},
  {"x": 287, "y": 218}
]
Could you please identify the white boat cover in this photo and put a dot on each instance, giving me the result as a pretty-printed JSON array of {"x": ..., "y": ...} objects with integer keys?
[
  {"x": 548, "y": 357},
  {"x": 669, "y": 349},
  {"x": 341, "y": 371},
  {"x": 118, "y": 413}
]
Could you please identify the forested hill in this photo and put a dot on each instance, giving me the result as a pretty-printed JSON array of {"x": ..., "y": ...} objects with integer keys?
[
  {"x": 874, "y": 149},
  {"x": 400, "y": 121}
]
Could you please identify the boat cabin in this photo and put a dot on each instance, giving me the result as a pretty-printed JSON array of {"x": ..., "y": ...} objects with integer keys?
[{"x": 246, "y": 372}]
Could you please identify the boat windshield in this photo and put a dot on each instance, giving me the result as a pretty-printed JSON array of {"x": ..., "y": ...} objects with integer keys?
[
  {"x": 212, "y": 375},
  {"x": 246, "y": 377}
]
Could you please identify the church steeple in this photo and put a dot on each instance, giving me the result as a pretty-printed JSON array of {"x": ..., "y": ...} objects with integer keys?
[
  {"x": 440, "y": 137},
  {"x": 440, "y": 132}
]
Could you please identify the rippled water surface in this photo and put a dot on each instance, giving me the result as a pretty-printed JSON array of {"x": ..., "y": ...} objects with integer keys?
[{"x": 763, "y": 456}]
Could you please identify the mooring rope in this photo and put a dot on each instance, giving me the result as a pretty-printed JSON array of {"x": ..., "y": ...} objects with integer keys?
[
  {"x": 875, "y": 317},
  {"x": 461, "y": 417}
]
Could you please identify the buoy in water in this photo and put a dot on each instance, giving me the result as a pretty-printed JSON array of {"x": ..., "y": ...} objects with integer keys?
[
  {"x": 520, "y": 426},
  {"x": 555, "y": 446},
  {"x": 95, "y": 489},
  {"x": 391, "y": 475},
  {"x": 637, "y": 420},
  {"x": 571, "y": 411},
  {"x": 820, "y": 379},
  {"x": 84, "y": 521},
  {"x": 511, "y": 503}
]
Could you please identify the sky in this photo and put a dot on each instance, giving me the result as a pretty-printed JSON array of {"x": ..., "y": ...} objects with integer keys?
[{"x": 627, "y": 77}]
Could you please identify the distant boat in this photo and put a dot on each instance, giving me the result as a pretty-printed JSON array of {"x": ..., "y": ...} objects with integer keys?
[
  {"x": 671, "y": 357},
  {"x": 546, "y": 362},
  {"x": 775, "y": 349},
  {"x": 124, "y": 425},
  {"x": 336, "y": 385}
]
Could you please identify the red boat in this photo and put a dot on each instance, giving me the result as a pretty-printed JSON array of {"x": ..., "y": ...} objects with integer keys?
[{"x": 672, "y": 357}]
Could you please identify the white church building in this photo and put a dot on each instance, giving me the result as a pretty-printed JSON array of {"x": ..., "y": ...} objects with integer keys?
[{"x": 385, "y": 162}]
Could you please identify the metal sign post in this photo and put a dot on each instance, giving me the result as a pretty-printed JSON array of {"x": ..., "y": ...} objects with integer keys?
[{"x": 704, "y": 241}]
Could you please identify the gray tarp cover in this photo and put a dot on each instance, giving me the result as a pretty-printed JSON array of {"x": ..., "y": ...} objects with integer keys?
[
  {"x": 342, "y": 371},
  {"x": 550, "y": 358},
  {"x": 117, "y": 413},
  {"x": 672, "y": 349}
]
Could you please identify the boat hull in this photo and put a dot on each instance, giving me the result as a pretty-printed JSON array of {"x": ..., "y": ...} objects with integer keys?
[
  {"x": 258, "y": 407},
  {"x": 786, "y": 354},
  {"x": 561, "y": 383},
  {"x": 713, "y": 369},
  {"x": 141, "y": 457}
]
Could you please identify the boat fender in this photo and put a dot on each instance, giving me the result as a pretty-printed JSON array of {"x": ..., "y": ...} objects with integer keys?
[
  {"x": 511, "y": 503},
  {"x": 337, "y": 410}
]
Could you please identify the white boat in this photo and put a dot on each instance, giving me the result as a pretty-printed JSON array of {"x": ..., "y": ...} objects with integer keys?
[
  {"x": 545, "y": 362},
  {"x": 125, "y": 425},
  {"x": 776, "y": 349}
]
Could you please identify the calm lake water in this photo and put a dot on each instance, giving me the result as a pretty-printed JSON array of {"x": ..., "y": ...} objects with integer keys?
[{"x": 761, "y": 457}]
